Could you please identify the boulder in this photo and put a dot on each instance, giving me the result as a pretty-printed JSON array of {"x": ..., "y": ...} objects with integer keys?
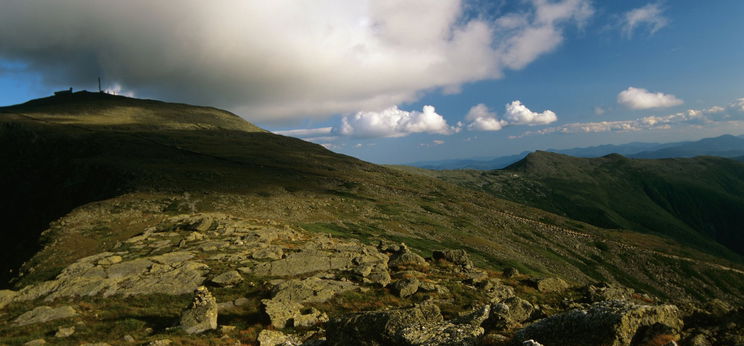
[
  {"x": 495, "y": 290},
  {"x": 420, "y": 325},
  {"x": 35, "y": 342},
  {"x": 227, "y": 279},
  {"x": 407, "y": 259},
  {"x": 201, "y": 315},
  {"x": 43, "y": 314},
  {"x": 605, "y": 291},
  {"x": 612, "y": 323},
  {"x": 551, "y": 285},
  {"x": 511, "y": 312},
  {"x": 457, "y": 257},
  {"x": 406, "y": 287},
  {"x": 380, "y": 327}
]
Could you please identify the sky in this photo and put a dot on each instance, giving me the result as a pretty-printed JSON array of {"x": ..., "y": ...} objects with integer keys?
[{"x": 393, "y": 81}]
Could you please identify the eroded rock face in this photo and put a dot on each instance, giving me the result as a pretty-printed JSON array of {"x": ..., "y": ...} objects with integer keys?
[
  {"x": 606, "y": 323},
  {"x": 201, "y": 315},
  {"x": 43, "y": 314}
]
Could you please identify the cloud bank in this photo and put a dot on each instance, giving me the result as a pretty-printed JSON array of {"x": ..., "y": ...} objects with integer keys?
[
  {"x": 273, "y": 60},
  {"x": 393, "y": 122},
  {"x": 639, "y": 98},
  {"x": 734, "y": 112}
]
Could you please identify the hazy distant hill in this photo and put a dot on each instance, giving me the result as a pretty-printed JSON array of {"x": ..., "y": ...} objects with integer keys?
[
  {"x": 695, "y": 200},
  {"x": 723, "y": 146}
]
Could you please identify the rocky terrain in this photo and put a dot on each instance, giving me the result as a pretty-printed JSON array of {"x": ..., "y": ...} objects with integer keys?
[
  {"x": 217, "y": 278},
  {"x": 142, "y": 222}
]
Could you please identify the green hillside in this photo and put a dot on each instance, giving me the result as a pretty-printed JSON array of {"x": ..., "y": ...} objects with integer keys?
[
  {"x": 68, "y": 153},
  {"x": 698, "y": 201}
]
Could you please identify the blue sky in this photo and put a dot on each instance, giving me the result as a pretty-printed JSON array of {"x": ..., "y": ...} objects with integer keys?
[{"x": 396, "y": 82}]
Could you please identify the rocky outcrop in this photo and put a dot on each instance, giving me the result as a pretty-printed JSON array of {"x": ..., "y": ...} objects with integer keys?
[
  {"x": 201, "y": 315},
  {"x": 420, "y": 325},
  {"x": 405, "y": 258},
  {"x": 43, "y": 314},
  {"x": 606, "y": 323},
  {"x": 6, "y": 296},
  {"x": 406, "y": 287},
  {"x": 286, "y": 308},
  {"x": 510, "y": 312}
]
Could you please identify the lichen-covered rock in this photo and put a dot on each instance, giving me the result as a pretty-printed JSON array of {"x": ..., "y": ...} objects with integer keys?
[
  {"x": 406, "y": 287},
  {"x": 605, "y": 291},
  {"x": 269, "y": 337},
  {"x": 551, "y": 285},
  {"x": 44, "y": 314},
  {"x": 227, "y": 279},
  {"x": 406, "y": 258},
  {"x": 495, "y": 290},
  {"x": 201, "y": 315},
  {"x": 457, "y": 257},
  {"x": 286, "y": 307},
  {"x": 612, "y": 323},
  {"x": 380, "y": 327},
  {"x": 510, "y": 312}
]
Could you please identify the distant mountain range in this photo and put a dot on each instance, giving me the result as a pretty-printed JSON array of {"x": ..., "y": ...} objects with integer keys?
[{"x": 723, "y": 146}]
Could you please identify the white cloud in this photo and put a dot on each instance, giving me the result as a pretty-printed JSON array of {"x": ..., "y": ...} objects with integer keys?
[
  {"x": 518, "y": 114},
  {"x": 639, "y": 98},
  {"x": 694, "y": 117},
  {"x": 438, "y": 141},
  {"x": 738, "y": 105},
  {"x": 394, "y": 122},
  {"x": 480, "y": 118},
  {"x": 273, "y": 60},
  {"x": 649, "y": 16},
  {"x": 599, "y": 111}
]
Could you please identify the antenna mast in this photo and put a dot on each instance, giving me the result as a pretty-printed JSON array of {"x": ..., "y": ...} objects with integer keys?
[{"x": 99, "y": 85}]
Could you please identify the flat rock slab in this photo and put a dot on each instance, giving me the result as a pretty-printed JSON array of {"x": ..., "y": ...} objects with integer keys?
[{"x": 43, "y": 314}]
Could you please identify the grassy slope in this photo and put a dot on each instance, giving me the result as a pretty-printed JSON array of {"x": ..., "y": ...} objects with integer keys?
[
  {"x": 68, "y": 153},
  {"x": 697, "y": 201}
]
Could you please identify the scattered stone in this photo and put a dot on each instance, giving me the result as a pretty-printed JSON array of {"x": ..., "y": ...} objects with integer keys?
[
  {"x": 551, "y": 285},
  {"x": 510, "y": 272},
  {"x": 201, "y": 315},
  {"x": 656, "y": 334},
  {"x": 531, "y": 343},
  {"x": 161, "y": 342},
  {"x": 228, "y": 329},
  {"x": 474, "y": 277},
  {"x": 269, "y": 337},
  {"x": 457, "y": 257},
  {"x": 44, "y": 314},
  {"x": 378, "y": 275},
  {"x": 406, "y": 287},
  {"x": 604, "y": 323},
  {"x": 35, "y": 342},
  {"x": 227, "y": 279},
  {"x": 128, "y": 338},
  {"x": 95, "y": 344},
  {"x": 63, "y": 332},
  {"x": 6, "y": 296},
  {"x": 698, "y": 340}
]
